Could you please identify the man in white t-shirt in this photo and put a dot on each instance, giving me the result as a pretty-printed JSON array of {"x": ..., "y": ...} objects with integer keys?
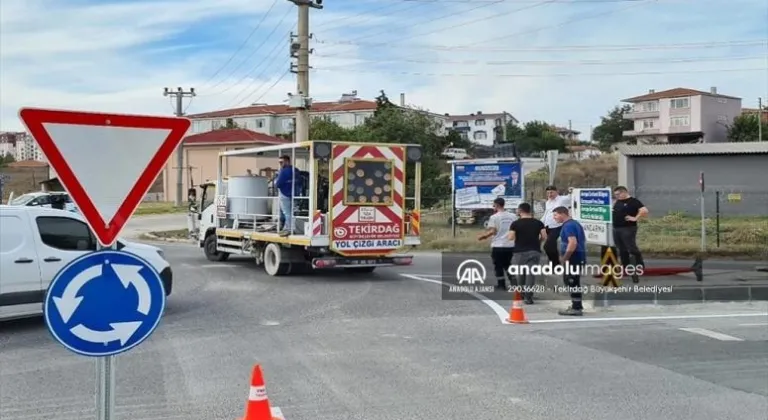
[
  {"x": 554, "y": 200},
  {"x": 501, "y": 247}
]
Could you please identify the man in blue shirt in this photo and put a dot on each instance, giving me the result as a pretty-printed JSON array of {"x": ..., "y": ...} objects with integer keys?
[
  {"x": 287, "y": 183},
  {"x": 573, "y": 257}
]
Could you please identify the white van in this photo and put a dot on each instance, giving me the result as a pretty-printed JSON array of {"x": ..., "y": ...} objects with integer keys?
[
  {"x": 36, "y": 242},
  {"x": 455, "y": 153}
]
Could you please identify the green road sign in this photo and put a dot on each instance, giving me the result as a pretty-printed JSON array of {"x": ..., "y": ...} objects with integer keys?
[{"x": 596, "y": 213}]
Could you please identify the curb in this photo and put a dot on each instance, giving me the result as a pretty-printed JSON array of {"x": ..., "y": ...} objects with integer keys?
[{"x": 152, "y": 237}]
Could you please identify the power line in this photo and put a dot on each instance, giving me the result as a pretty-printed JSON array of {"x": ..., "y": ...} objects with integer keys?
[
  {"x": 245, "y": 42},
  {"x": 269, "y": 89},
  {"x": 544, "y": 75},
  {"x": 564, "y": 48},
  {"x": 446, "y": 16},
  {"x": 661, "y": 60},
  {"x": 518, "y": 1},
  {"x": 370, "y": 15},
  {"x": 265, "y": 66},
  {"x": 263, "y": 42}
]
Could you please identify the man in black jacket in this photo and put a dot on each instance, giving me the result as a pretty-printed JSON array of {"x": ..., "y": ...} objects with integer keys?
[{"x": 627, "y": 210}]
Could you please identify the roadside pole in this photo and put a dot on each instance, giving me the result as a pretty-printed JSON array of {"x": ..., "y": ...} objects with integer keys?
[{"x": 703, "y": 214}]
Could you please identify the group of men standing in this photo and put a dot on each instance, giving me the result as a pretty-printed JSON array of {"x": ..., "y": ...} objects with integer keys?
[{"x": 517, "y": 239}]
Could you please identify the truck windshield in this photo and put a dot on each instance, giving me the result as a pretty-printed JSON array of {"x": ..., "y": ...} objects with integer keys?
[{"x": 22, "y": 199}]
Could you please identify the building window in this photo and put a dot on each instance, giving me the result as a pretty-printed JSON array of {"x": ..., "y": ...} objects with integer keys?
[
  {"x": 479, "y": 122},
  {"x": 647, "y": 123},
  {"x": 464, "y": 136},
  {"x": 682, "y": 121},
  {"x": 722, "y": 118},
  {"x": 679, "y": 103},
  {"x": 460, "y": 124},
  {"x": 722, "y": 100},
  {"x": 649, "y": 106},
  {"x": 480, "y": 135},
  {"x": 259, "y": 123},
  {"x": 216, "y": 124},
  {"x": 498, "y": 122}
]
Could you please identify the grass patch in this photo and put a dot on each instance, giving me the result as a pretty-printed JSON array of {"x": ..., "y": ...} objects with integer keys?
[
  {"x": 670, "y": 236},
  {"x": 159, "y": 208}
]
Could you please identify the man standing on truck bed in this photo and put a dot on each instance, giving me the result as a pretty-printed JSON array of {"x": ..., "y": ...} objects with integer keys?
[{"x": 287, "y": 183}]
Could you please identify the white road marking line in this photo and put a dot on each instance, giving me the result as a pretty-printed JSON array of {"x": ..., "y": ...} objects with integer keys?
[
  {"x": 757, "y": 324},
  {"x": 218, "y": 266},
  {"x": 437, "y": 276},
  {"x": 644, "y": 318},
  {"x": 500, "y": 312},
  {"x": 711, "y": 334}
]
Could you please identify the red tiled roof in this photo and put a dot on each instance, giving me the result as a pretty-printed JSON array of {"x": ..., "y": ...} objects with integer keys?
[
  {"x": 236, "y": 135},
  {"x": 674, "y": 93},
  {"x": 359, "y": 105},
  {"x": 28, "y": 164}
]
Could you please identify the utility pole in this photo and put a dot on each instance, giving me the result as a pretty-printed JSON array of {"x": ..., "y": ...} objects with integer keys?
[
  {"x": 570, "y": 130},
  {"x": 179, "y": 94},
  {"x": 300, "y": 51},
  {"x": 759, "y": 119}
]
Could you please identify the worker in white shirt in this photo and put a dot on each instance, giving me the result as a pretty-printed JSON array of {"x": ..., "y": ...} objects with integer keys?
[
  {"x": 554, "y": 200},
  {"x": 502, "y": 248}
]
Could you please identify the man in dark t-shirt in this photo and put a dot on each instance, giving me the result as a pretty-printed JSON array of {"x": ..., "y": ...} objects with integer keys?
[
  {"x": 528, "y": 234},
  {"x": 627, "y": 210}
]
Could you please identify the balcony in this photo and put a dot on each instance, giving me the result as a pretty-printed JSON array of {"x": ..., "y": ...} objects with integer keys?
[
  {"x": 638, "y": 115},
  {"x": 643, "y": 132},
  {"x": 460, "y": 129}
]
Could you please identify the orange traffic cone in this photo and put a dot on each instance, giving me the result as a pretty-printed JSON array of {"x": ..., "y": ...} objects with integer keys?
[
  {"x": 516, "y": 312},
  {"x": 257, "y": 407}
]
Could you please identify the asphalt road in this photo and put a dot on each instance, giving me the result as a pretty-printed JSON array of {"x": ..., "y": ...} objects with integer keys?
[{"x": 385, "y": 346}]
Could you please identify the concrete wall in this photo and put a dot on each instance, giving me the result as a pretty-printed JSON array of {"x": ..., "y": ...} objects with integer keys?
[{"x": 670, "y": 183}]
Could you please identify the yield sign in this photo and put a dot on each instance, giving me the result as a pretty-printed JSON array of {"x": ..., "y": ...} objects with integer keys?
[{"x": 106, "y": 162}]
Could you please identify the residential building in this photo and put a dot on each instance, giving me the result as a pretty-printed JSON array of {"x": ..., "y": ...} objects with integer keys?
[
  {"x": 21, "y": 146},
  {"x": 482, "y": 129},
  {"x": 567, "y": 134},
  {"x": 755, "y": 111},
  {"x": 579, "y": 152},
  {"x": 682, "y": 115},
  {"x": 273, "y": 120},
  {"x": 201, "y": 158}
]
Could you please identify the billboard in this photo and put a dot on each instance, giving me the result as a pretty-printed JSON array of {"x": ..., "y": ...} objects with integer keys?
[{"x": 477, "y": 185}]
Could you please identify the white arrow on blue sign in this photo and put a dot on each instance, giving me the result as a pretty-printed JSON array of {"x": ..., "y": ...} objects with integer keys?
[{"x": 104, "y": 303}]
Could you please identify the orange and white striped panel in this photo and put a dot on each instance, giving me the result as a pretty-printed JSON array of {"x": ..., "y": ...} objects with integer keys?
[
  {"x": 317, "y": 223},
  {"x": 367, "y": 229},
  {"x": 415, "y": 222}
]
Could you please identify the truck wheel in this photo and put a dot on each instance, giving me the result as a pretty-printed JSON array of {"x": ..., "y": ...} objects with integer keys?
[
  {"x": 273, "y": 265},
  {"x": 359, "y": 270},
  {"x": 209, "y": 247},
  {"x": 484, "y": 221}
]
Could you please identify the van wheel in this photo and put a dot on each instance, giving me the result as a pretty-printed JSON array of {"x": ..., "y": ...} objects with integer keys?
[
  {"x": 209, "y": 247},
  {"x": 273, "y": 257},
  {"x": 359, "y": 270}
]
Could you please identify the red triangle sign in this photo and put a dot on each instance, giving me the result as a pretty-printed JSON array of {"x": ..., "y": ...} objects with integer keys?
[{"x": 106, "y": 162}]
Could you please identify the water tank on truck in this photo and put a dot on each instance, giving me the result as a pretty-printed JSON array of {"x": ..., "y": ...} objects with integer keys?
[{"x": 242, "y": 201}]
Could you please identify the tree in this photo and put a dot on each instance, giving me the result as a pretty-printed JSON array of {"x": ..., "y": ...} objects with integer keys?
[
  {"x": 746, "y": 127},
  {"x": 6, "y": 159},
  {"x": 325, "y": 129},
  {"x": 535, "y": 137},
  {"x": 612, "y": 127}
]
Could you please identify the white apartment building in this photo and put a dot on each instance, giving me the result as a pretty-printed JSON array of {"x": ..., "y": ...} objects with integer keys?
[
  {"x": 21, "y": 146},
  {"x": 482, "y": 129},
  {"x": 273, "y": 120},
  {"x": 682, "y": 115}
]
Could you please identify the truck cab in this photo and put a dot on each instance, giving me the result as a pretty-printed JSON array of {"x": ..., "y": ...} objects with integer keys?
[
  {"x": 37, "y": 242},
  {"x": 355, "y": 208}
]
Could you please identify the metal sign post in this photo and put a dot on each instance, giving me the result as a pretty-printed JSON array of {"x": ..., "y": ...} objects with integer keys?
[
  {"x": 703, "y": 214},
  {"x": 105, "y": 379}
]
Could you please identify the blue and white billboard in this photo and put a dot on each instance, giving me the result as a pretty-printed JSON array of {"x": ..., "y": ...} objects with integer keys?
[{"x": 477, "y": 185}]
